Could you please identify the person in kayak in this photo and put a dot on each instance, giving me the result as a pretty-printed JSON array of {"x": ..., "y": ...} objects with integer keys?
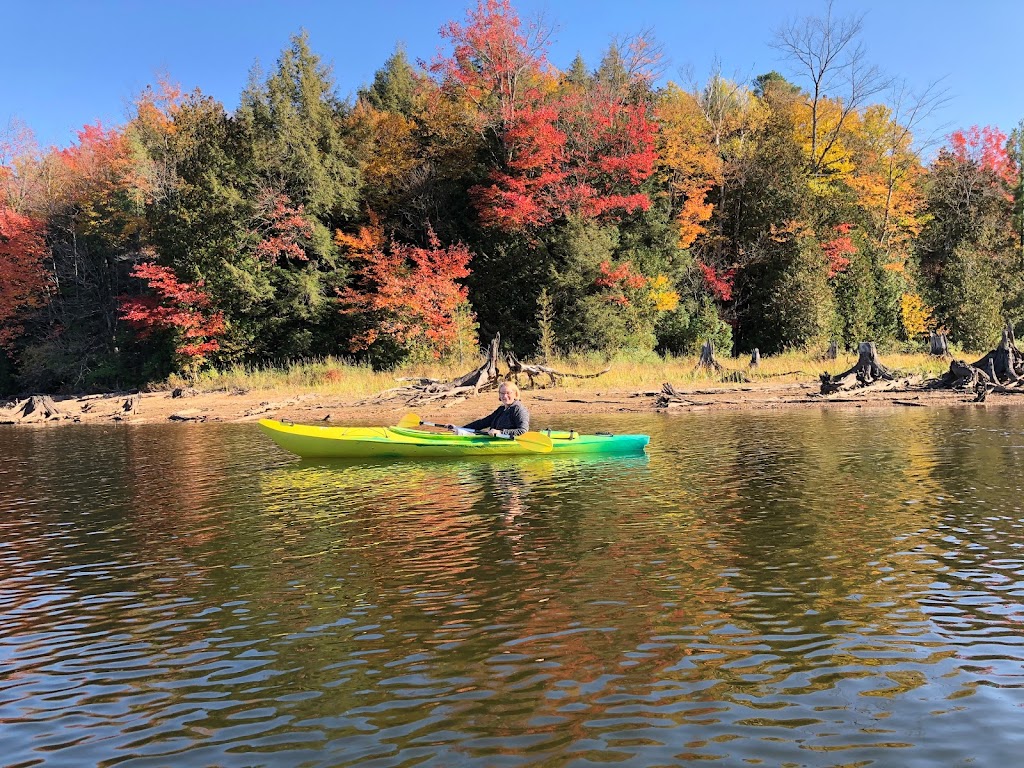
[{"x": 511, "y": 418}]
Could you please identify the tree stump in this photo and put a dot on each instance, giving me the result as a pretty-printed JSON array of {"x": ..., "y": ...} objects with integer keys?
[
  {"x": 867, "y": 371},
  {"x": 1004, "y": 365},
  {"x": 832, "y": 352},
  {"x": 33, "y": 409},
  {"x": 938, "y": 345},
  {"x": 755, "y": 358},
  {"x": 707, "y": 357}
]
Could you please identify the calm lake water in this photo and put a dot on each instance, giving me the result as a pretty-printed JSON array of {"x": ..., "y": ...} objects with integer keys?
[{"x": 791, "y": 589}]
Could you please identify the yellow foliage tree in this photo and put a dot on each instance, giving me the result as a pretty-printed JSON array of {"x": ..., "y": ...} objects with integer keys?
[{"x": 915, "y": 315}]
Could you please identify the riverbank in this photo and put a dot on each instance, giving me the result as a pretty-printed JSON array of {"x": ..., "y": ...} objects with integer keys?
[{"x": 551, "y": 406}]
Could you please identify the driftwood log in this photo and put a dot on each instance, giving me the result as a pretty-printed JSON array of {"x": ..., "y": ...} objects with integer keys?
[
  {"x": 517, "y": 368},
  {"x": 1001, "y": 370},
  {"x": 33, "y": 409},
  {"x": 868, "y": 371},
  {"x": 670, "y": 397}
]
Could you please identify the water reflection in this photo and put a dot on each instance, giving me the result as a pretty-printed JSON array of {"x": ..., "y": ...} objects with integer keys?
[{"x": 813, "y": 588}]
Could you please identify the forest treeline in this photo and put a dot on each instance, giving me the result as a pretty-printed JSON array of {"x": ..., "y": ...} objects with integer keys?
[{"x": 584, "y": 208}]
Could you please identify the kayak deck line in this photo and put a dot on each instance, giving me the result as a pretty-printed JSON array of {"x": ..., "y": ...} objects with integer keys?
[{"x": 315, "y": 441}]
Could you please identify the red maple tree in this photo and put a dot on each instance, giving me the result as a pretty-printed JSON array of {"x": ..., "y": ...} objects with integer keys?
[
  {"x": 987, "y": 147},
  {"x": 561, "y": 152},
  {"x": 406, "y": 292},
  {"x": 22, "y": 277},
  {"x": 619, "y": 279},
  {"x": 719, "y": 283},
  {"x": 495, "y": 59},
  {"x": 183, "y": 308},
  {"x": 838, "y": 249},
  {"x": 280, "y": 227}
]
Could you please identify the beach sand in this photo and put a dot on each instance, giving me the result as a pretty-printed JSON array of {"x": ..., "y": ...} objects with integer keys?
[{"x": 551, "y": 406}]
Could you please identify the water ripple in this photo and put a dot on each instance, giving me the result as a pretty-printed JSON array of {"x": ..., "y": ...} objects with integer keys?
[{"x": 807, "y": 589}]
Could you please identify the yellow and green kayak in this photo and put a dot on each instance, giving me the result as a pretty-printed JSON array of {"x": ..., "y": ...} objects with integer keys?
[{"x": 316, "y": 442}]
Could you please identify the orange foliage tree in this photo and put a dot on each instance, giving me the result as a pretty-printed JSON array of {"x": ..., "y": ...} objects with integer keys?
[
  {"x": 22, "y": 277},
  {"x": 404, "y": 292}
]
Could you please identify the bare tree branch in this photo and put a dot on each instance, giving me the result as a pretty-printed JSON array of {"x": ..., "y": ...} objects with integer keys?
[{"x": 826, "y": 50}]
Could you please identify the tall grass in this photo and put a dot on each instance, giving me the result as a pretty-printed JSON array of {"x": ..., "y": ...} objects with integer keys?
[{"x": 628, "y": 371}]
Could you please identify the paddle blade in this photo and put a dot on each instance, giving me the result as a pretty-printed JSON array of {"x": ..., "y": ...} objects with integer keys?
[
  {"x": 535, "y": 441},
  {"x": 409, "y": 421}
]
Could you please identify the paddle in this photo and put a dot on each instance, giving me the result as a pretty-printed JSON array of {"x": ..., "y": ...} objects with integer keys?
[{"x": 531, "y": 441}]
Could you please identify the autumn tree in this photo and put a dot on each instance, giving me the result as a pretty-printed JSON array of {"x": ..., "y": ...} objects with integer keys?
[
  {"x": 181, "y": 310},
  {"x": 969, "y": 249},
  {"x": 565, "y": 154},
  {"x": 826, "y": 50},
  {"x": 24, "y": 278},
  {"x": 92, "y": 204},
  {"x": 407, "y": 298}
]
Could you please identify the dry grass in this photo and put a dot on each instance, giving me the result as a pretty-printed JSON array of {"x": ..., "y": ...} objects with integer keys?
[{"x": 345, "y": 379}]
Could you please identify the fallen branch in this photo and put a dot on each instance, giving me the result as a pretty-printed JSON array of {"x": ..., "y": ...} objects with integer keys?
[
  {"x": 483, "y": 378},
  {"x": 517, "y": 367}
]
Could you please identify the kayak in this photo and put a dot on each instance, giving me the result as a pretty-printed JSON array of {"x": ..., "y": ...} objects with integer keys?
[{"x": 316, "y": 442}]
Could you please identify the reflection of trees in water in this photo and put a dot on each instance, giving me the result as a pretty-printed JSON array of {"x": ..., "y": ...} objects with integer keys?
[
  {"x": 750, "y": 561},
  {"x": 480, "y": 555},
  {"x": 825, "y": 529},
  {"x": 722, "y": 584}
]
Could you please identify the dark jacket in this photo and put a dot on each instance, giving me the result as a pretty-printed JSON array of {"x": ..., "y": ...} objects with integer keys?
[{"x": 512, "y": 420}]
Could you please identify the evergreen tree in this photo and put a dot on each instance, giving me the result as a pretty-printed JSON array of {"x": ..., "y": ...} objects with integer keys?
[
  {"x": 972, "y": 300},
  {"x": 791, "y": 304},
  {"x": 394, "y": 86}
]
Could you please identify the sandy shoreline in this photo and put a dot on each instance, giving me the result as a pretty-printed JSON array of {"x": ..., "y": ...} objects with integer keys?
[{"x": 548, "y": 405}]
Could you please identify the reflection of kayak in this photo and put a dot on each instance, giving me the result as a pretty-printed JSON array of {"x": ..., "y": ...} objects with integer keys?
[{"x": 395, "y": 442}]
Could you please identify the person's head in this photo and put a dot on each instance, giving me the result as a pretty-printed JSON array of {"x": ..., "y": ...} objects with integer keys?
[{"x": 508, "y": 393}]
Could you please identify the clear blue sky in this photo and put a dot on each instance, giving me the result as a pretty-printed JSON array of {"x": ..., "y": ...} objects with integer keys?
[{"x": 72, "y": 63}]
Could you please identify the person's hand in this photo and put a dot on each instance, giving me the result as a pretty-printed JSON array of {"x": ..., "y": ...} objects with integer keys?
[
  {"x": 493, "y": 432},
  {"x": 451, "y": 427}
]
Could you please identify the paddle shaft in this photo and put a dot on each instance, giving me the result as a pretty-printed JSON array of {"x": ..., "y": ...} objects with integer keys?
[
  {"x": 476, "y": 431},
  {"x": 531, "y": 441}
]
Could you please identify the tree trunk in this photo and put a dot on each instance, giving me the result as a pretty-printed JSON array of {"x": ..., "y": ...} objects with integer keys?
[
  {"x": 938, "y": 344},
  {"x": 867, "y": 370},
  {"x": 707, "y": 357}
]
